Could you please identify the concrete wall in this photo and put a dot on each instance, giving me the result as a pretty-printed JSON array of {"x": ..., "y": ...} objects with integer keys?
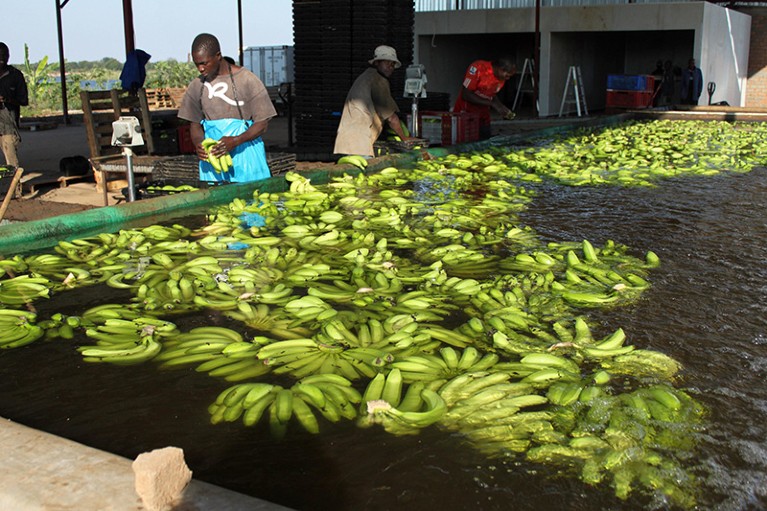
[
  {"x": 756, "y": 92},
  {"x": 602, "y": 40}
]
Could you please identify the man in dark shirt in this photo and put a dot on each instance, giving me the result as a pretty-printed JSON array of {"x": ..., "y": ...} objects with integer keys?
[{"x": 13, "y": 95}]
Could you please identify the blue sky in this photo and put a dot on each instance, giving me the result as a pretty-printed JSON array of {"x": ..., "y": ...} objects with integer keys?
[{"x": 93, "y": 29}]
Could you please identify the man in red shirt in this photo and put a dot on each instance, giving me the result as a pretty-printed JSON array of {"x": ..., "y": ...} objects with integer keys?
[{"x": 481, "y": 84}]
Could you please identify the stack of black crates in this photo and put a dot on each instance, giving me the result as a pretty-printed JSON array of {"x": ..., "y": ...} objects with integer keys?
[{"x": 333, "y": 41}]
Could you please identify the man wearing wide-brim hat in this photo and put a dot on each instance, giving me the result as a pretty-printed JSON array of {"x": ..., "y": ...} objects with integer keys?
[{"x": 369, "y": 104}]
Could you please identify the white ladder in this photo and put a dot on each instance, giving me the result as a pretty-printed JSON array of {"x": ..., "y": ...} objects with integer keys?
[
  {"x": 574, "y": 82},
  {"x": 527, "y": 71}
]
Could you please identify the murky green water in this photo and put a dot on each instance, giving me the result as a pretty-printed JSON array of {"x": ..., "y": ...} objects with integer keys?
[{"x": 707, "y": 308}]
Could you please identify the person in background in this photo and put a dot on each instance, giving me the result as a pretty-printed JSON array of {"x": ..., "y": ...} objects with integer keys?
[
  {"x": 479, "y": 91},
  {"x": 692, "y": 83},
  {"x": 668, "y": 83},
  {"x": 658, "y": 76},
  {"x": 230, "y": 104},
  {"x": 13, "y": 95},
  {"x": 369, "y": 104}
]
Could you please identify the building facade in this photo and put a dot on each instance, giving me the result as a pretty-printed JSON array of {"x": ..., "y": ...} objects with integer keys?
[{"x": 601, "y": 39}]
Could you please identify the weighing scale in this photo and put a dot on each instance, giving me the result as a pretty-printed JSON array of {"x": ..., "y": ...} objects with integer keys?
[
  {"x": 126, "y": 133},
  {"x": 415, "y": 87}
]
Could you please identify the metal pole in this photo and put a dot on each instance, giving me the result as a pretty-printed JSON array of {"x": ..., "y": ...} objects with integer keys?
[
  {"x": 128, "y": 152},
  {"x": 537, "y": 54},
  {"x": 239, "y": 28},
  {"x": 130, "y": 38},
  {"x": 62, "y": 68},
  {"x": 290, "y": 115},
  {"x": 415, "y": 128}
]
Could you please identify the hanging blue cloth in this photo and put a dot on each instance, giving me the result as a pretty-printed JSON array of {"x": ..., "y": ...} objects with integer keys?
[
  {"x": 249, "y": 159},
  {"x": 134, "y": 71}
]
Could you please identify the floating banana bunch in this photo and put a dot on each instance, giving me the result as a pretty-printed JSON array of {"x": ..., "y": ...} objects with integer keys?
[
  {"x": 60, "y": 326},
  {"x": 385, "y": 403},
  {"x": 18, "y": 328},
  {"x": 24, "y": 289},
  {"x": 126, "y": 342},
  {"x": 330, "y": 395}
]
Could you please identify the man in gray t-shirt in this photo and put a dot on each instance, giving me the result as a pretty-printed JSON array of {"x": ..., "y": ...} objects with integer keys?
[
  {"x": 229, "y": 104},
  {"x": 369, "y": 104}
]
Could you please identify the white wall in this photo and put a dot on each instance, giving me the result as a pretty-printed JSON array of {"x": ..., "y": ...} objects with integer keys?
[{"x": 723, "y": 56}]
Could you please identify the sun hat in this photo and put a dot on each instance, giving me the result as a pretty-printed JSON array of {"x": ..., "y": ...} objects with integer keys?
[{"x": 386, "y": 53}]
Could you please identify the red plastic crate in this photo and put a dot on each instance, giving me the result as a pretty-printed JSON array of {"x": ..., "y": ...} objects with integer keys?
[
  {"x": 185, "y": 145},
  {"x": 448, "y": 128},
  {"x": 629, "y": 99}
]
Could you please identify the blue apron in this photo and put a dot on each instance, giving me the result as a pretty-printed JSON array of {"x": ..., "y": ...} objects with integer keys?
[{"x": 248, "y": 159}]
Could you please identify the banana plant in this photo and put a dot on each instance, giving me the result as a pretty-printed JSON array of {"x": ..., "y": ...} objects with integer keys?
[{"x": 37, "y": 76}]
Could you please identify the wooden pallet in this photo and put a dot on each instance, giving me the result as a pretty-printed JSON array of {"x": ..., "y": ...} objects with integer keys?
[
  {"x": 34, "y": 182},
  {"x": 102, "y": 108},
  {"x": 167, "y": 98}
]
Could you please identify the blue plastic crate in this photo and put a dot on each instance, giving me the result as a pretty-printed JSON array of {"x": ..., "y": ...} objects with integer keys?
[{"x": 630, "y": 82}]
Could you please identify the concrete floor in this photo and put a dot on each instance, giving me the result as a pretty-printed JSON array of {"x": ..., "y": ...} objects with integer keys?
[{"x": 42, "y": 472}]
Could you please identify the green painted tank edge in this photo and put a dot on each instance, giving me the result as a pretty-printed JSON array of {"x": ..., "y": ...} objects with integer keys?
[{"x": 45, "y": 233}]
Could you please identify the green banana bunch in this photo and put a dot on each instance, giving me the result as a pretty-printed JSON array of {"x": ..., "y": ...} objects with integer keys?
[
  {"x": 23, "y": 289},
  {"x": 218, "y": 351},
  {"x": 60, "y": 326},
  {"x": 246, "y": 400},
  {"x": 120, "y": 349},
  {"x": 641, "y": 363},
  {"x": 331, "y": 395},
  {"x": 18, "y": 328},
  {"x": 610, "y": 346},
  {"x": 383, "y": 403},
  {"x": 219, "y": 163},
  {"x": 304, "y": 357},
  {"x": 198, "y": 345},
  {"x": 127, "y": 342},
  {"x": 353, "y": 159},
  {"x": 98, "y": 314}
]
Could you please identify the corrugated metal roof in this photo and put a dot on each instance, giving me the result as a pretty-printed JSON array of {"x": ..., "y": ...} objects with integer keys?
[{"x": 456, "y": 5}]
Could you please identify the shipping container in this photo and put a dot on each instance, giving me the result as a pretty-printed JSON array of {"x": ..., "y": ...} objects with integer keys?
[{"x": 272, "y": 64}]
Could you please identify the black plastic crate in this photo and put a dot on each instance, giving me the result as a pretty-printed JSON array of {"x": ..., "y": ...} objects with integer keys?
[
  {"x": 6, "y": 178},
  {"x": 185, "y": 169},
  {"x": 383, "y": 147}
]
